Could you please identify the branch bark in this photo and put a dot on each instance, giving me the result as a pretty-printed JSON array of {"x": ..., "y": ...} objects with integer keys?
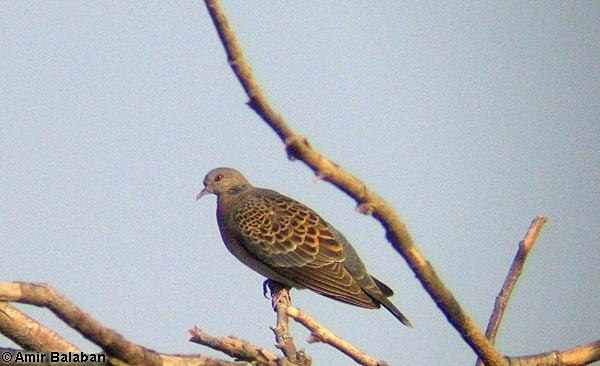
[
  {"x": 30, "y": 334},
  {"x": 281, "y": 301},
  {"x": 238, "y": 348},
  {"x": 41, "y": 295},
  {"x": 576, "y": 356},
  {"x": 110, "y": 341},
  {"x": 320, "y": 334},
  {"x": 119, "y": 350},
  {"x": 511, "y": 279}
]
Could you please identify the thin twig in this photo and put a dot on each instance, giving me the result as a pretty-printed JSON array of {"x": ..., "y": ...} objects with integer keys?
[
  {"x": 511, "y": 279},
  {"x": 368, "y": 201},
  {"x": 321, "y": 334},
  {"x": 238, "y": 348},
  {"x": 513, "y": 275}
]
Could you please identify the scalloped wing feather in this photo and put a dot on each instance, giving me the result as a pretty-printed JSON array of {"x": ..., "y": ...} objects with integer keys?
[
  {"x": 297, "y": 243},
  {"x": 284, "y": 232}
]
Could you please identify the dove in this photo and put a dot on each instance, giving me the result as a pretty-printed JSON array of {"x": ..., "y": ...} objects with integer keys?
[{"x": 286, "y": 241}]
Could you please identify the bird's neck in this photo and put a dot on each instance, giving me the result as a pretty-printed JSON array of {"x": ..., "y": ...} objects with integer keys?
[
  {"x": 237, "y": 189},
  {"x": 231, "y": 196}
]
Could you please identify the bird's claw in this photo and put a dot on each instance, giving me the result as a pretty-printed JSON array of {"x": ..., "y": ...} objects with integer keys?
[{"x": 266, "y": 288}]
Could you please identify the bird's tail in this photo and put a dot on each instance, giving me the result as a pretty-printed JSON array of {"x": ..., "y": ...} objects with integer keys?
[
  {"x": 383, "y": 300},
  {"x": 395, "y": 312}
]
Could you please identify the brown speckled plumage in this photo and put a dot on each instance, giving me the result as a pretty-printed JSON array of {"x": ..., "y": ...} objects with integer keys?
[{"x": 286, "y": 241}]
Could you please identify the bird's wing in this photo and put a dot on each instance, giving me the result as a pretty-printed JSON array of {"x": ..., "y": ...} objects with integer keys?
[{"x": 297, "y": 243}]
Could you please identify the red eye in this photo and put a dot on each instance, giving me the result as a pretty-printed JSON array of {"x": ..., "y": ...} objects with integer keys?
[{"x": 218, "y": 177}]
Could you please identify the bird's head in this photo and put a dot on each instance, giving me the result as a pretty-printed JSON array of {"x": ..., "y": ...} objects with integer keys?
[{"x": 223, "y": 180}]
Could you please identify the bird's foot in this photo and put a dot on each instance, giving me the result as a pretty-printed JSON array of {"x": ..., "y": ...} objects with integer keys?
[{"x": 278, "y": 291}]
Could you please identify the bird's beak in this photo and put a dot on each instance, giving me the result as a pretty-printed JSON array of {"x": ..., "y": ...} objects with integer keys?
[{"x": 202, "y": 193}]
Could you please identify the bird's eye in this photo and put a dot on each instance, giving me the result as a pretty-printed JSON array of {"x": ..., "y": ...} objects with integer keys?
[{"x": 218, "y": 177}]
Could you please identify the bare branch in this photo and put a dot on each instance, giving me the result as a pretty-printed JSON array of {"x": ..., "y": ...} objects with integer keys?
[
  {"x": 244, "y": 350},
  {"x": 577, "y": 356},
  {"x": 280, "y": 298},
  {"x": 511, "y": 279},
  {"x": 368, "y": 201},
  {"x": 112, "y": 342},
  {"x": 513, "y": 275},
  {"x": 239, "y": 349},
  {"x": 117, "y": 348},
  {"x": 320, "y": 334},
  {"x": 30, "y": 334},
  {"x": 281, "y": 302}
]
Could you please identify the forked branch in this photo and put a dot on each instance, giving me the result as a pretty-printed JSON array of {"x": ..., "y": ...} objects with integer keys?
[
  {"x": 320, "y": 334},
  {"x": 42, "y": 295},
  {"x": 119, "y": 350}
]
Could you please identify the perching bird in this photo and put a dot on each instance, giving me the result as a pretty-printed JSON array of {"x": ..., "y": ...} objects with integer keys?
[{"x": 287, "y": 242}]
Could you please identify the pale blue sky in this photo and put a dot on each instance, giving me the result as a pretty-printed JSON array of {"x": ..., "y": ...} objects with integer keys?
[{"x": 470, "y": 119}]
